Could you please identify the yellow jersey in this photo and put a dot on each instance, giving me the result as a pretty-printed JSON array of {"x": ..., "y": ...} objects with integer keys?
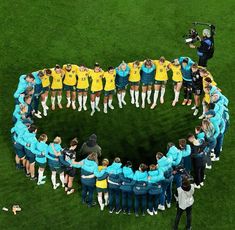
[
  {"x": 161, "y": 70},
  {"x": 109, "y": 81},
  {"x": 101, "y": 183},
  {"x": 134, "y": 72},
  {"x": 45, "y": 80},
  {"x": 82, "y": 79},
  {"x": 207, "y": 96},
  {"x": 96, "y": 77},
  {"x": 57, "y": 79},
  {"x": 177, "y": 74},
  {"x": 70, "y": 77}
]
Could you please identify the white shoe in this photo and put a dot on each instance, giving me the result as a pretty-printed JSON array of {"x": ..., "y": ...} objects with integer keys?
[
  {"x": 215, "y": 159},
  {"x": 137, "y": 105},
  {"x": 73, "y": 106},
  {"x": 149, "y": 101},
  {"x": 161, "y": 207},
  {"x": 44, "y": 112},
  {"x": 197, "y": 186},
  {"x": 208, "y": 167},
  {"x": 120, "y": 105},
  {"x": 92, "y": 112},
  {"x": 68, "y": 104},
  {"x": 41, "y": 182},
  {"x": 195, "y": 112},
  {"x": 221, "y": 149},
  {"x": 194, "y": 107},
  {"x": 154, "y": 212},
  {"x": 202, "y": 184},
  {"x": 105, "y": 110},
  {"x": 46, "y": 107},
  {"x": 79, "y": 109},
  {"x": 85, "y": 108},
  {"x": 161, "y": 100},
  {"x": 44, "y": 177},
  {"x": 111, "y": 107},
  {"x": 174, "y": 103},
  {"x": 39, "y": 112},
  {"x": 123, "y": 102},
  {"x": 202, "y": 117},
  {"x": 149, "y": 212},
  {"x": 70, "y": 191},
  {"x": 153, "y": 106},
  {"x": 97, "y": 108},
  {"x": 168, "y": 205},
  {"x": 38, "y": 115},
  {"x": 143, "y": 105},
  {"x": 56, "y": 186},
  {"x": 132, "y": 101},
  {"x": 102, "y": 207}
]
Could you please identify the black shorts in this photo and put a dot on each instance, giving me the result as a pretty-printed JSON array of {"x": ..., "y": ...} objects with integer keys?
[
  {"x": 197, "y": 90},
  {"x": 70, "y": 172}
]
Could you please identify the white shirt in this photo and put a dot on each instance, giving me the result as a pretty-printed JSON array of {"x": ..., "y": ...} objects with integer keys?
[{"x": 185, "y": 197}]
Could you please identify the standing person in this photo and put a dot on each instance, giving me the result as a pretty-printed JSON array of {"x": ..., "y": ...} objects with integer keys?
[
  {"x": 109, "y": 88},
  {"x": 198, "y": 159},
  {"x": 70, "y": 172},
  {"x": 45, "y": 89},
  {"x": 161, "y": 78},
  {"x": 165, "y": 165},
  {"x": 185, "y": 202},
  {"x": 186, "y": 155},
  {"x": 177, "y": 79},
  {"x": 186, "y": 64},
  {"x": 54, "y": 151},
  {"x": 70, "y": 80},
  {"x": 91, "y": 146},
  {"x": 155, "y": 177},
  {"x": 57, "y": 86},
  {"x": 96, "y": 76},
  {"x": 122, "y": 75},
  {"x": 82, "y": 86},
  {"x": 102, "y": 186},
  {"x": 197, "y": 87},
  {"x": 147, "y": 73},
  {"x": 134, "y": 81},
  {"x": 127, "y": 189}
]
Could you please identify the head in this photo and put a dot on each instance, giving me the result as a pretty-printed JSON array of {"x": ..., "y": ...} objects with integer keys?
[
  {"x": 152, "y": 167},
  {"x": 92, "y": 140},
  {"x": 105, "y": 162},
  {"x": 206, "y": 33},
  {"x": 117, "y": 160},
  {"x": 129, "y": 164},
  {"x": 43, "y": 138},
  {"x": 182, "y": 143},
  {"x": 207, "y": 89},
  {"x": 198, "y": 129},
  {"x": 40, "y": 74},
  {"x": 28, "y": 99},
  {"x": 74, "y": 143},
  {"x": 143, "y": 167},
  {"x": 57, "y": 68},
  {"x": 203, "y": 72},
  {"x": 82, "y": 67},
  {"x": 162, "y": 60},
  {"x": 23, "y": 109},
  {"x": 186, "y": 183},
  {"x": 215, "y": 97},
  {"x": 68, "y": 67},
  {"x": 185, "y": 62},
  {"x": 93, "y": 157},
  {"x": 159, "y": 155},
  {"x": 169, "y": 145},
  {"x": 111, "y": 69},
  {"x": 175, "y": 62},
  {"x": 194, "y": 67},
  {"x": 123, "y": 66},
  {"x": 97, "y": 67},
  {"x": 148, "y": 63},
  {"x": 136, "y": 64},
  {"x": 191, "y": 137},
  {"x": 29, "y": 78},
  {"x": 47, "y": 72},
  {"x": 207, "y": 126},
  {"x": 57, "y": 140},
  {"x": 29, "y": 90},
  {"x": 32, "y": 129}
]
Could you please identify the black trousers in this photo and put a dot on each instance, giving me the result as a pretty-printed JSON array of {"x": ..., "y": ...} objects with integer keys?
[
  {"x": 188, "y": 89},
  {"x": 199, "y": 170},
  {"x": 188, "y": 217},
  {"x": 202, "y": 61}
]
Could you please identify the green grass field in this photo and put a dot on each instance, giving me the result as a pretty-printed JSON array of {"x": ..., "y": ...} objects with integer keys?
[{"x": 37, "y": 34}]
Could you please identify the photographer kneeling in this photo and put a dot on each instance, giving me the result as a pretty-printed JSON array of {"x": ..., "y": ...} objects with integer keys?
[{"x": 206, "y": 50}]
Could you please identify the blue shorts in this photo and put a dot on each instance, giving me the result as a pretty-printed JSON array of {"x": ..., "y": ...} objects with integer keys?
[
  {"x": 30, "y": 156},
  {"x": 19, "y": 150},
  {"x": 94, "y": 92},
  {"x": 82, "y": 90},
  {"x": 56, "y": 167},
  {"x": 103, "y": 190},
  {"x": 107, "y": 93},
  {"x": 38, "y": 89},
  {"x": 41, "y": 165},
  {"x": 121, "y": 87},
  {"x": 69, "y": 88},
  {"x": 147, "y": 80},
  {"x": 157, "y": 82},
  {"x": 45, "y": 89},
  {"x": 134, "y": 83}
]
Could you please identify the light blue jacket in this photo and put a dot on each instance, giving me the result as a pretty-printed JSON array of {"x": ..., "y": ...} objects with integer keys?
[
  {"x": 186, "y": 71},
  {"x": 155, "y": 176},
  {"x": 23, "y": 84},
  {"x": 41, "y": 152},
  {"x": 19, "y": 129},
  {"x": 38, "y": 80},
  {"x": 187, "y": 151},
  {"x": 164, "y": 164},
  {"x": 175, "y": 155}
]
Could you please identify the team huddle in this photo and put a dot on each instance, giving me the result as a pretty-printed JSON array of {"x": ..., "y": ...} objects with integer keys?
[{"x": 117, "y": 183}]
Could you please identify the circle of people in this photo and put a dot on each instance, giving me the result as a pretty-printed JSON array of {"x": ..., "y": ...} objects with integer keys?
[{"x": 117, "y": 184}]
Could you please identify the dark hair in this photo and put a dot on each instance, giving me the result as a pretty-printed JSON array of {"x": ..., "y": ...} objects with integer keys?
[
  {"x": 96, "y": 65},
  {"x": 195, "y": 65},
  {"x": 190, "y": 135},
  {"x": 92, "y": 157},
  {"x": 143, "y": 167},
  {"x": 32, "y": 128},
  {"x": 159, "y": 155},
  {"x": 162, "y": 59},
  {"x": 186, "y": 186},
  {"x": 185, "y": 60},
  {"x": 129, "y": 164},
  {"x": 47, "y": 71},
  {"x": 92, "y": 140},
  {"x": 137, "y": 62},
  {"x": 74, "y": 142},
  {"x": 170, "y": 144},
  {"x": 26, "y": 97},
  {"x": 182, "y": 142},
  {"x": 208, "y": 80},
  {"x": 198, "y": 128},
  {"x": 40, "y": 73},
  {"x": 152, "y": 167},
  {"x": 110, "y": 68},
  {"x": 30, "y": 76},
  {"x": 42, "y": 137},
  {"x": 57, "y": 66}
]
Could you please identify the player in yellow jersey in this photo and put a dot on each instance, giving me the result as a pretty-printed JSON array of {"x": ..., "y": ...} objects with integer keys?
[
  {"x": 134, "y": 81},
  {"x": 96, "y": 76},
  {"x": 177, "y": 79},
  {"x": 45, "y": 78},
  {"x": 102, "y": 186},
  {"x": 109, "y": 88},
  {"x": 56, "y": 86},
  {"x": 70, "y": 80},
  {"x": 161, "y": 78},
  {"x": 82, "y": 86}
]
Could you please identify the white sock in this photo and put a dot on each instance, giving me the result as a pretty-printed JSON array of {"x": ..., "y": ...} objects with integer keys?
[
  {"x": 84, "y": 100},
  {"x": 73, "y": 102},
  {"x": 155, "y": 96},
  {"x": 46, "y": 99},
  {"x": 97, "y": 100},
  {"x": 143, "y": 97},
  {"x": 137, "y": 96},
  {"x": 40, "y": 175},
  {"x": 59, "y": 98},
  {"x": 105, "y": 105},
  {"x": 53, "y": 178},
  {"x": 132, "y": 94},
  {"x": 53, "y": 100},
  {"x": 119, "y": 98},
  {"x": 177, "y": 94},
  {"x": 43, "y": 104},
  {"x": 100, "y": 200},
  {"x": 149, "y": 94},
  {"x": 110, "y": 101},
  {"x": 69, "y": 99},
  {"x": 92, "y": 105},
  {"x": 123, "y": 96},
  {"x": 80, "y": 100},
  {"x": 204, "y": 107},
  {"x": 163, "y": 90},
  {"x": 106, "y": 198},
  {"x": 62, "y": 178}
]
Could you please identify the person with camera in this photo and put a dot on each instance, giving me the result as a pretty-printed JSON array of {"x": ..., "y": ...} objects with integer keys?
[{"x": 206, "y": 50}]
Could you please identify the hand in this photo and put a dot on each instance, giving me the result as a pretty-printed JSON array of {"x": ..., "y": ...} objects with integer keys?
[{"x": 192, "y": 46}]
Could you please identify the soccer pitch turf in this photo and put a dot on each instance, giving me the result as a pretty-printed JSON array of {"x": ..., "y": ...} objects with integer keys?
[{"x": 37, "y": 34}]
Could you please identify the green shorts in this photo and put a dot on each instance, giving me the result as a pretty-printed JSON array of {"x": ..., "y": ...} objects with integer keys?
[
  {"x": 55, "y": 90},
  {"x": 104, "y": 190},
  {"x": 134, "y": 83},
  {"x": 55, "y": 169},
  {"x": 107, "y": 93},
  {"x": 147, "y": 84},
  {"x": 69, "y": 88},
  {"x": 82, "y": 90},
  {"x": 94, "y": 92},
  {"x": 157, "y": 82},
  {"x": 41, "y": 165},
  {"x": 45, "y": 89}
]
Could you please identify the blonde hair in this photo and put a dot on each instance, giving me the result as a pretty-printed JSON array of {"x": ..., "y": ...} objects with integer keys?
[
  {"x": 208, "y": 128},
  {"x": 105, "y": 162},
  {"x": 57, "y": 140},
  {"x": 43, "y": 137}
]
